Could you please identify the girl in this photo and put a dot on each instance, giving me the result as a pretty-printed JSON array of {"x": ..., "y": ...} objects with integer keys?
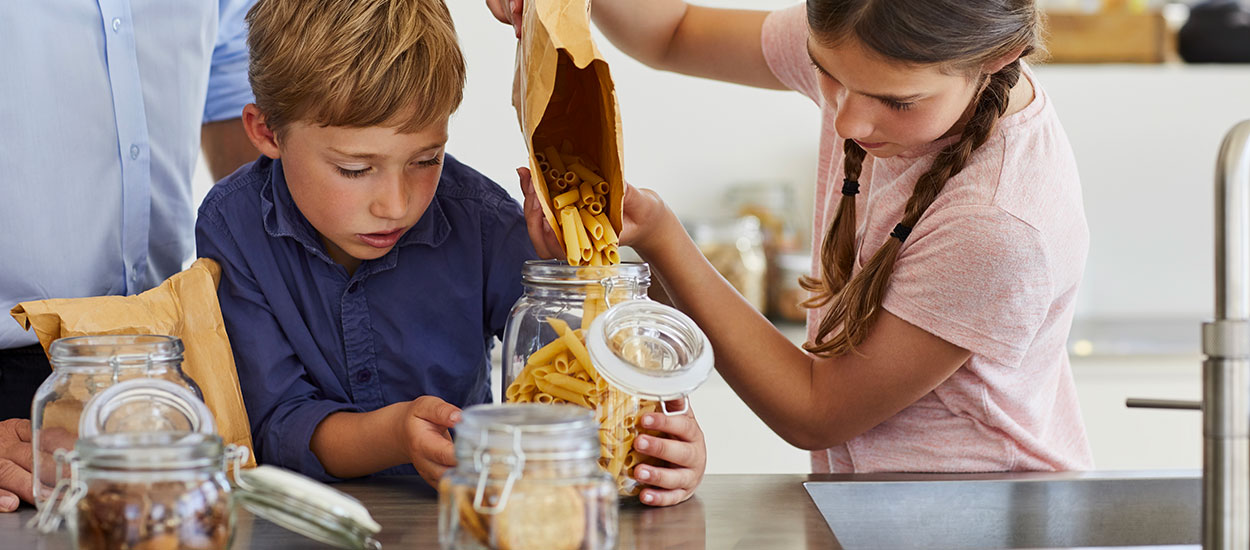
[{"x": 949, "y": 213}]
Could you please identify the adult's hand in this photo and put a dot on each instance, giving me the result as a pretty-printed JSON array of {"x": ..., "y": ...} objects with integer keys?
[{"x": 15, "y": 464}]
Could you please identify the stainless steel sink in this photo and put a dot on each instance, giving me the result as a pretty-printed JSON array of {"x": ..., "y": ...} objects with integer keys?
[{"x": 1033, "y": 510}]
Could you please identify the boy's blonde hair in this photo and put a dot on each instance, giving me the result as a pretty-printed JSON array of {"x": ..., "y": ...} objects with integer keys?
[{"x": 354, "y": 63}]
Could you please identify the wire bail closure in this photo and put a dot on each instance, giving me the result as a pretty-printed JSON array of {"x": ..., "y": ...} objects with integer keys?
[
  {"x": 65, "y": 494},
  {"x": 483, "y": 460}
]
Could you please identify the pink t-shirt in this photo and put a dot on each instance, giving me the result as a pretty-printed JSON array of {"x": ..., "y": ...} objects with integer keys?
[{"x": 992, "y": 266}]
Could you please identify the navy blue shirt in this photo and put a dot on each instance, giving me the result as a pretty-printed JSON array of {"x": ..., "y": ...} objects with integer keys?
[{"x": 309, "y": 340}]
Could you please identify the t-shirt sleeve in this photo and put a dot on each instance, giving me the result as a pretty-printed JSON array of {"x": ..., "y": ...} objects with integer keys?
[
  {"x": 784, "y": 41},
  {"x": 980, "y": 279},
  {"x": 228, "y": 87}
]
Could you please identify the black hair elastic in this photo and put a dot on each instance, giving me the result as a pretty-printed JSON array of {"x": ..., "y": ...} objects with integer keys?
[
  {"x": 901, "y": 232},
  {"x": 850, "y": 187}
]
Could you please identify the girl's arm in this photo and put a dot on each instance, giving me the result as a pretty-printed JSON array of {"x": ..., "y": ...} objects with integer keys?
[
  {"x": 670, "y": 35},
  {"x": 811, "y": 403}
]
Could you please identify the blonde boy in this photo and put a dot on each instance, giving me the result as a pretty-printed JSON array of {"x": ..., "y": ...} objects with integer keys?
[{"x": 365, "y": 272}]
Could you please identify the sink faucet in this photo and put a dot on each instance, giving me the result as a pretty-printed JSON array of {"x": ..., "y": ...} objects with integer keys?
[{"x": 1226, "y": 344}]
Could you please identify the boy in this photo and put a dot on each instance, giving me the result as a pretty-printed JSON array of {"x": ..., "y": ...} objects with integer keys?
[{"x": 365, "y": 272}]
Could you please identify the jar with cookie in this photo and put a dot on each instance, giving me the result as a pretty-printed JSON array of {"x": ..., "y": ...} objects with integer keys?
[{"x": 527, "y": 478}]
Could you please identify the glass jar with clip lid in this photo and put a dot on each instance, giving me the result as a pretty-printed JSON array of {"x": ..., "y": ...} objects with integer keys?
[
  {"x": 149, "y": 471},
  {"x": 527, "y": 478},
  {"x": 84, "y": 366},
  {"x": 626, "y": 357}
]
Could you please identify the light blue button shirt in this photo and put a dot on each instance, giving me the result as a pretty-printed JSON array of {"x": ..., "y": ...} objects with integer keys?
[{"x": 101, "y": 104}]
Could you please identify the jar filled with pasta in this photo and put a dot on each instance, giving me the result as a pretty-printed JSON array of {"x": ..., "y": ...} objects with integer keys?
[
  {"x": 527, "y": 478},
  {"x": 548, "y": 357},
  {"x": 83, "y": 367}
]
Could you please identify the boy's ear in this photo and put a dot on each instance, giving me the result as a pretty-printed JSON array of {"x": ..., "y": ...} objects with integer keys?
[
  {"x": 1002, "y": 61},
  {"x": 259, "y": 133}
]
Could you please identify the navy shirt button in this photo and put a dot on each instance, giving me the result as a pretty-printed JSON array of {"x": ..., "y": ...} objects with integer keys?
[
  {"x": 364, "y": 376},
  {"x": 352, "y": 288}
]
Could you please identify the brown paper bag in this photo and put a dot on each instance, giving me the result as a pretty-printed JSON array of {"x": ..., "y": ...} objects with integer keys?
[
  {"x": 184, "y": 306},
  {"x": 563, "y": 92}
]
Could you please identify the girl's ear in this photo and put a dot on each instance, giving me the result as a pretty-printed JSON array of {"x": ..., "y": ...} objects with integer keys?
[
  {"x": 259, "y": 133},
  {"x": 998, "y": 63}
]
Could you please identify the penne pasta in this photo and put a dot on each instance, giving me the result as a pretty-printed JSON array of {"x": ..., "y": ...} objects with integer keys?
[
  {"x": 613, "y": 255},
  {"x": 587, "y": 191},
  {"x": 602, "y": 188},
  {"x": 586, "y": 174},
  {"x": 547, "y": 353},
  {"x": 609, "y": 234},
  {"x": 572, "y": 243},
  {"x": 566, "y": 199},
  {"x": 593, "y": 227},
  {"x": 553, "y": 158},
  {"x": 569, "y": 383},
  {"x": 583, "y": 240},
  {"x": 561, "y": 362},
  {"x": 595, "y": 208},
  {"x": 570, "y": 179}
]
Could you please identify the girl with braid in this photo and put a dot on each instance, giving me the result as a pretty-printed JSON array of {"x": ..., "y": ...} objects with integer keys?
[{"x": 951, "y": 233}]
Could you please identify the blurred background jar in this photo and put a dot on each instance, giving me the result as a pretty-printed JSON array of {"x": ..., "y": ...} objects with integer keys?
[
  {"x": 735, "y": 247},
  {"x": 83, "y": 367},
  {"x": 785, "y": 294}
]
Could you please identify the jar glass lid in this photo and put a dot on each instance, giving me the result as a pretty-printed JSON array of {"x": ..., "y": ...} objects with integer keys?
[
  {"x": 531, "y": 428},
  {"x": 649, "y": 350},
  {"x": 124, "y": 350},
  {"x": 307, "y": 507},
  {"x": 145, "y": 405}
]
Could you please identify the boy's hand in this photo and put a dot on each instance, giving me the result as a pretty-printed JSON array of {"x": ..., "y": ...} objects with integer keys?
[
  {"x": 428, "y": 443},
  {"x": 683, "y": 448},
  {"x": 508, "y": 11},
  {"x": 644, "y": 212}
]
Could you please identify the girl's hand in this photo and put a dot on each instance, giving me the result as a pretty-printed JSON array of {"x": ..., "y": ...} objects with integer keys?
[
  {"x": 683, "y": 448},
  {"x": 643, "y": 219},
  {"x": 424, "y": 430},
  {"x": 508, "y": 12}
]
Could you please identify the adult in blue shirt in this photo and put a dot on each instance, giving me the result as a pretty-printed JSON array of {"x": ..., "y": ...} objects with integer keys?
[{"x": 102, "y": 109}]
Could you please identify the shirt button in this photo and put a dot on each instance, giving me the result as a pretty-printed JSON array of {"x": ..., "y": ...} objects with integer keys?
[
  {"x": 352, "y": 288},
  {"x": 364, "y": 376},
  {"x": 117, "y": 24},
  {"x": 134, "y": 152}
]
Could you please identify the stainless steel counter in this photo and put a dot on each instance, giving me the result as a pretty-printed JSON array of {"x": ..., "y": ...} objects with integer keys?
[{"x": 775, "y": 512}]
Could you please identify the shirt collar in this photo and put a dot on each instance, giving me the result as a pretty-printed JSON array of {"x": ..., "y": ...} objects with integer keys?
[{"x": 283, "y": 219}]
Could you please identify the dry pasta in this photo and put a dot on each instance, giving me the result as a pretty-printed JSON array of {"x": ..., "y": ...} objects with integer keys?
[
  {"x": 573, "y": 181},
  {"x": 561, "y": 372}
]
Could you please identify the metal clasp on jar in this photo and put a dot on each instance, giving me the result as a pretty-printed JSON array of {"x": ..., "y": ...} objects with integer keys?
[
  {"x": 483, "y": 460},
  {"x": 65, "y": 494},
  {"x": 610, "y": 284}
]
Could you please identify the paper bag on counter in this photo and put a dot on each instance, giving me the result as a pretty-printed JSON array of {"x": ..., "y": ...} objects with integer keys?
[
  {"x": 564, "y": 97},
  {"x": 184, "y": 306}
]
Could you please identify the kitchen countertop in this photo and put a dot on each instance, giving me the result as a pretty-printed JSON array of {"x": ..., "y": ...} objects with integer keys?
[
  {"x": 748, "y": 511},
  {"x": 774, "y": 512}
]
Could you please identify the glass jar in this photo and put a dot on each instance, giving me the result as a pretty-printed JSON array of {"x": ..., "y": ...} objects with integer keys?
[
  {"x": 786, "y": 295},
  {"x": 84, "y": 366},
  {"x": 735, "y": 247},
  {"x": 149, "y": 471},
  {"x": 527, "y": 478},
  {"x": 547, "y": 361}
]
